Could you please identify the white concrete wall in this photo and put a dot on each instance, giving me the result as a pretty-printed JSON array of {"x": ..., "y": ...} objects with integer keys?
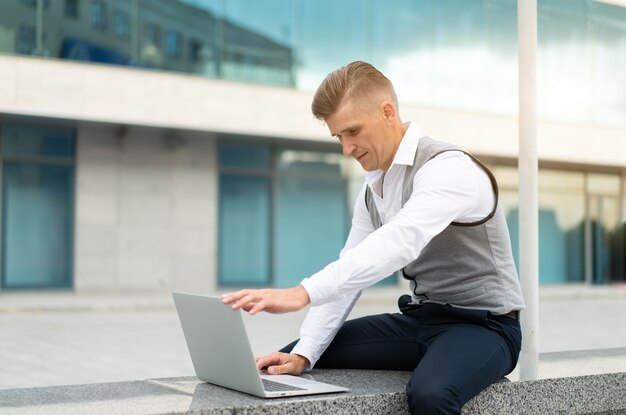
[
  {"x": 113, "y": 94},
  {"x": 146, "y": 207}
]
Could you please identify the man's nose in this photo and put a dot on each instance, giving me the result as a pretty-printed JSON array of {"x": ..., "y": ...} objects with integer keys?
[{"x": 347, "y": 148}]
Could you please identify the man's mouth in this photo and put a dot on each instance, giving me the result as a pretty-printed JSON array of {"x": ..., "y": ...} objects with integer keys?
[{"x": 361, "y": 156}]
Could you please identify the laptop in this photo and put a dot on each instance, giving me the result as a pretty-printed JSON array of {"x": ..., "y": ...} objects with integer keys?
[{"x": 221, "y": 353}]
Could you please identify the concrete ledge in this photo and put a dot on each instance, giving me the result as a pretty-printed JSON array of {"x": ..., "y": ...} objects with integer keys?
[{"x": 372, "y": 392}]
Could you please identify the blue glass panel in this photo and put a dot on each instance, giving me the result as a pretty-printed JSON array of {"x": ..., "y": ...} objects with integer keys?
[
  {"x": 245, "y": 156},
  {"x": 561, "y": 251},
  {"x": 244, "y": 230},
  {"x": 333, "y": 34},
  {"x": 37, "y": 225},
  {"x": 419, "y": 44},
  {"x": 311, "y": 226},
  {"x": 26, "y": 140}
]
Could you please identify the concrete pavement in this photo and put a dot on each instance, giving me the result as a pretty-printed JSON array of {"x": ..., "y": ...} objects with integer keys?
[{"x": 64, "y": 338}]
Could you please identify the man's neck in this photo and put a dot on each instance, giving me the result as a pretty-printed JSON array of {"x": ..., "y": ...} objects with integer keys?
[{"x": 397, "y": 139}]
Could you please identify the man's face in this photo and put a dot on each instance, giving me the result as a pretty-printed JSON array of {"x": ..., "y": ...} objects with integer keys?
[{"x": 363, "y": 135}]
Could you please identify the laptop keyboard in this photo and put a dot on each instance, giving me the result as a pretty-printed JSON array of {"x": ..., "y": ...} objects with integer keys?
[{"x": 271, "y": 386}]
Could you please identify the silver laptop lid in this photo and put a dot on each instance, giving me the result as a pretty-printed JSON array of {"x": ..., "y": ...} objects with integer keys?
[{"x": 218, "y": 343}]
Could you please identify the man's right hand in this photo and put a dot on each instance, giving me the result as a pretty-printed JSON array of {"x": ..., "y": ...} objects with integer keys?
[{"x": 282, "y": 363}]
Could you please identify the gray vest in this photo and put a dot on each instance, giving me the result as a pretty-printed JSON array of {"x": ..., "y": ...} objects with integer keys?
[{"x": 467, "y": 265}]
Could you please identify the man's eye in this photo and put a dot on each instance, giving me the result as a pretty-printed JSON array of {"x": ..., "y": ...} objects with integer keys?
[{"x": 354, "y": 132}]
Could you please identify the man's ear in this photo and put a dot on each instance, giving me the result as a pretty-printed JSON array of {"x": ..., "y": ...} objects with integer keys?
[{"x": 389, "y": 110}]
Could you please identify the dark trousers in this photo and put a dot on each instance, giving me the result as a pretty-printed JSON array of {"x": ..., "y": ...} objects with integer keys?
[{"x": 453, "y": 353}]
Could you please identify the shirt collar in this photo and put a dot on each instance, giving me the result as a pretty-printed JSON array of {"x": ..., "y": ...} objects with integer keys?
[{"x": 405, "y": 155}]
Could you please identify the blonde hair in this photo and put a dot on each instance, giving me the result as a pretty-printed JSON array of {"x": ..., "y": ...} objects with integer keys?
[{"x": 359, "y": 81}]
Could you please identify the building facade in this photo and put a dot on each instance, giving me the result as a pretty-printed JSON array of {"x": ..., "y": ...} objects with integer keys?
[{"x": 159, "y": 145}]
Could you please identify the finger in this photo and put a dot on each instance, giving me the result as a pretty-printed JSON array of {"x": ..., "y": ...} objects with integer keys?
[
  {"x": 230, "y": 297},
  {"x": 248, "y": 306},
  {"x": 263, "y": 362},
  {"x": 280, "y": 369},
  {"x": 244, "y": 299},
  {"x": 251, "y": 299},
  {"x": 260, "y": 306},
  {"x": 239, "y": 301}
]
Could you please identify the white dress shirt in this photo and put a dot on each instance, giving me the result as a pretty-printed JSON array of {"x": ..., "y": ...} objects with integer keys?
[{"x": 448, "y": 188}]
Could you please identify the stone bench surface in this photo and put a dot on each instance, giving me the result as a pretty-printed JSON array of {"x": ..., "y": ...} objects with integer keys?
[{"x": 371, "y": 392}]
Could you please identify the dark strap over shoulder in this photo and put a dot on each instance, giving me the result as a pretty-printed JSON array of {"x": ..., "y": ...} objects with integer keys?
[
  {"x": 371, "y": 208},
  {"x": 427, "y": 150}
]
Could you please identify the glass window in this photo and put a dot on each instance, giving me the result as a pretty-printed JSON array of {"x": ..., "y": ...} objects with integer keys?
[
  {"x": 25, "y": 42},
  {"x": 561, "y": 235},
  {"x": 122, "y": 24},
  {"x": 37, "y": 223},
  {"x": 419, "y": 45},
  {"x": 311, "y": 214},
  {"x": 244, "y": 156},
  {"x": 561, "y": 221},
  {"x": 37, "y": 205},
  {"x": 244, "y": 230},
  {"x": 608, "y": 184},
  {"x": 256, "y": 40},
  {"x": 33, "y": 3},
  {"x": 328, "y": 41},
  {"x": 318, "y": 163},
  {"x": 71, "y": 9},
  {"x": 279, "y": 223},
  {"x": 195, "y": 51},
  {"x": 245, "y": 214},
  {"x": 33, "y": 141},
  {"x": 153, "y": 35},
  {"x": 606, "y": 230},
  {"x": 606, "y": 27},
  {"x": 173, "y": 43},
  {"x": 98, "y": 15}
]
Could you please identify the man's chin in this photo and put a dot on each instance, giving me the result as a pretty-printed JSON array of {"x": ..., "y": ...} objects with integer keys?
[{"x": 367, "y": 167}]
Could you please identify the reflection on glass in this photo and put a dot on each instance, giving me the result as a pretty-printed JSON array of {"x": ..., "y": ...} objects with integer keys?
[
  {"x": 33, "y": 141},
  {"x": 244, "y": 156},
  {"x": 37, "y": 205},
  {"x": 606, "y": 240},
  {"x": 561, "y": 181},
  {"x": 561, "y": 223},
  {"x": 315, "y": 162},
  {"x": 311, "y": 214},
  {"x": 244, "y": 230},
  {"x": 580, "y": 234},
  {"x": 311, "y": 226},
  {"x": 279, "y": 222},
  {"x": 37, "y": 223},
  {"x": 561, "y": 236},
  {"x": 508, "y": 177},
  {"x": 607, "y": 184},
  {"x": 420, "y": 45}
]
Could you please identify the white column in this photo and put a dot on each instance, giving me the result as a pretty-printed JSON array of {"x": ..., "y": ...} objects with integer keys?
[{"x": 528, "y": 184}]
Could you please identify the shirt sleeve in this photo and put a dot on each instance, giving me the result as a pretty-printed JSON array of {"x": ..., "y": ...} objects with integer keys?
[
  {"x": 321, "y": 325},
  {"x": 446, "y": 189}
]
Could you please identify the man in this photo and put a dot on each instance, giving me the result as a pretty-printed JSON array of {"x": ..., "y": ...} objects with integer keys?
[{"x": 426, "y": 208}]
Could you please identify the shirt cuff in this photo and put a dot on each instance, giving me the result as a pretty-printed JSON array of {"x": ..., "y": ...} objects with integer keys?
[
  {"x": 306, "y": 347},
  {"x": 320, "y": 286},
  {"x": 314, "y": 294}
]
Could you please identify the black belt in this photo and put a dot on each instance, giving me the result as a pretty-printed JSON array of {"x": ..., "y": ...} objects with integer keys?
[{"x": 511, "y": 314}]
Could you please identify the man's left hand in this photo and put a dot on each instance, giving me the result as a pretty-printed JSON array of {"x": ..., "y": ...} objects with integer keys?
[{"x": 269, "y": 300}]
